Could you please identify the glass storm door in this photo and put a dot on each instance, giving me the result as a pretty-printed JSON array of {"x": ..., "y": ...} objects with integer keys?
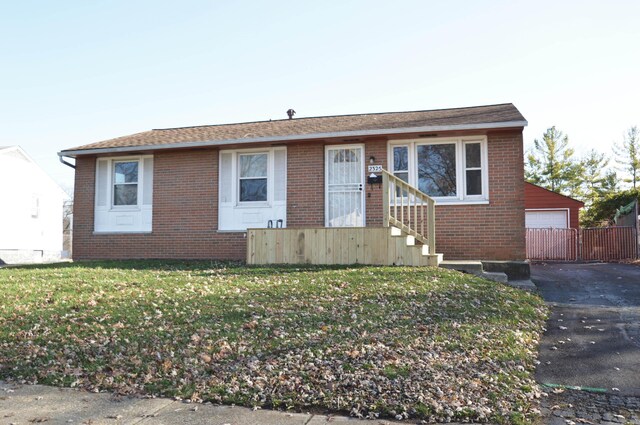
[{"x": 344, "y": 176}]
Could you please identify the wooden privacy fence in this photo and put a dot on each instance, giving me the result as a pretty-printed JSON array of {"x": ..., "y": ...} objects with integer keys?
[{"x": 590, "y": 244}]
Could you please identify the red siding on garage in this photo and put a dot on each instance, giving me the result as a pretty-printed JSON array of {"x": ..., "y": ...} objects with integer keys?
[{"x": 539, "y": 198}]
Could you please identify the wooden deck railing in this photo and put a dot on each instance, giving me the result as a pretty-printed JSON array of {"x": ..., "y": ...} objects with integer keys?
[{"x": 409, "y": 209}]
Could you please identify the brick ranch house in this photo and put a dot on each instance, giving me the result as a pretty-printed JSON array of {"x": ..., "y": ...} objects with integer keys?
[{"x": 193, "y": 192}]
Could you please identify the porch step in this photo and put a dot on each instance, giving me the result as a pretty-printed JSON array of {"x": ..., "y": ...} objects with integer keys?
[{"x": 409, "y": 252}]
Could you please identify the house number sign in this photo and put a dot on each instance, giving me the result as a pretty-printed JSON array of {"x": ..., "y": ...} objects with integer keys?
[{"x": 374, "y": 168}]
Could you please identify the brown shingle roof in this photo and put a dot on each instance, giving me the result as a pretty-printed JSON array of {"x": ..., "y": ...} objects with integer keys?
[{"x": 315, "y": 127}]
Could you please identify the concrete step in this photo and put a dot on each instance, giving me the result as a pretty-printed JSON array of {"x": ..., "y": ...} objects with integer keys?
[
  {"x": 466, "y": 266},
  {"x": 495, "y": 276},
  {"x": 514, "y": 273},
  {"x": 515, "y": 270},
  {"x": 474, "y": 268}
]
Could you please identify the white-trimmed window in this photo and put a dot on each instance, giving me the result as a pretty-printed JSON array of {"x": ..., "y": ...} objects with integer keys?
[
  {"x": 253, "y": 177},
  {"x": 125, "y": 183},
  {"x": 124, "y": 194},
  {"x": 252, "y": 188},
  {"x": 447, "y": 169}
]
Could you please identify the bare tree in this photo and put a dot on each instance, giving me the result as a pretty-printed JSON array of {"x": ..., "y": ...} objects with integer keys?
[{"x": 67, "y": 226}]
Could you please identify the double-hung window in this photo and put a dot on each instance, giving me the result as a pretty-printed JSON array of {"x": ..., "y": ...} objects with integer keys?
[
  {"x": 125, "y": 183},
  {"x": 124, "y": 194},
  {"x": 252, "y": 188},
  {"x": 253, "y": 177},
  {"x": 473, "y": 169},
  {"x": 449, "y": 170},
  {"x": 401, "y": 165},
  {"x": 401, "y": 162}
]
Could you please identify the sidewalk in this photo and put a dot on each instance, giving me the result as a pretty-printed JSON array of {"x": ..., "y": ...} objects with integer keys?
[{"x": 28, "y": 404}]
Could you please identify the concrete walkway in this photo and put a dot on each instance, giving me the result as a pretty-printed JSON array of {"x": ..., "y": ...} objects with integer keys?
[{"x": 29, "y": 404}]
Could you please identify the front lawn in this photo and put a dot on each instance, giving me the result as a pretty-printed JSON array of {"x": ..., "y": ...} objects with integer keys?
[{"x": 413, "y": 342}]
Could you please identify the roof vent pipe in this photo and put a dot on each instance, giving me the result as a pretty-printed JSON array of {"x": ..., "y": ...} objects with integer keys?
[{"x": 291, "y": 113}]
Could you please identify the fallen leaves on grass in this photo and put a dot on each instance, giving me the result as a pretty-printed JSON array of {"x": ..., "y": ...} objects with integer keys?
[{"x": 399, "y": 342}]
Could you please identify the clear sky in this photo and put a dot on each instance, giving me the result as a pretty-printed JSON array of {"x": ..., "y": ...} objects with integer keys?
[{"x": 76, "y": 72}]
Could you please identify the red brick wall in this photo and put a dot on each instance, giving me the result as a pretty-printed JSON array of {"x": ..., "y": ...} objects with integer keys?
[
  {"x": 488, "y": 232},
  {"x": 373, "y": 211},
  {"x": 536, "y": 197},
  {"x": 186, "y": 192},
  {"x": 494, "y": 231},
  {"x": 305, "y": 185}
]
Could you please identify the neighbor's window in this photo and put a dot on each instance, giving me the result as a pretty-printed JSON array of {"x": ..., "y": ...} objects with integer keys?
[
  {"x": 253, "y": 177},
  {"x": 451, "y": 169},
  {"x": 125, "y": 183}
]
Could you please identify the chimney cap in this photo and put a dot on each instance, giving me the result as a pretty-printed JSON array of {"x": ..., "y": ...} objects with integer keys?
[{"x": 291, "y": 113}]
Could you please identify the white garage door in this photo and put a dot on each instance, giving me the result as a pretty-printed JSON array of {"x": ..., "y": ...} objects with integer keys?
[{"x": 546, "y": 219}]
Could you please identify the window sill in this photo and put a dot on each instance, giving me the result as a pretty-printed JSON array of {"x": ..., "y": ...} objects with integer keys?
[
  {"x": 252, "y": 205},
  {"x": 458, "y": 202},
  {"x": 125, "y": 209},
  {"x": 121, "y": 232}
]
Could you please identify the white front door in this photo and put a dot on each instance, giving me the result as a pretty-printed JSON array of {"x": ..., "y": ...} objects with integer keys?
[{"x": 344, "y": 177}]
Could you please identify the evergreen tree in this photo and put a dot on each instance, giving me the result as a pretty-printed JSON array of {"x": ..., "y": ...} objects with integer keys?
[
  {"x": 611, "y": 183},
  {"x": 603, "y": 209},
  {"x": 596, "y": 183},
  {"x": 628, "y": 156},
  {"x": 551, "y": 164}
]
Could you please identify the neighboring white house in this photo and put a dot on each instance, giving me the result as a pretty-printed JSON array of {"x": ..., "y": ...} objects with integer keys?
[{"x": 30, "y": 210}]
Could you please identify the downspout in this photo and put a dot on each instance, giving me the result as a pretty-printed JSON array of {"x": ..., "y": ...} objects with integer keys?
[{"x": 68, "y": 164}]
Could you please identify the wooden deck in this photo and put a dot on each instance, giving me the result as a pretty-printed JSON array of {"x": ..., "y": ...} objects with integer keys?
[
  {"x": 353, "y": 245},
  {"x": 407, "y": 237}
]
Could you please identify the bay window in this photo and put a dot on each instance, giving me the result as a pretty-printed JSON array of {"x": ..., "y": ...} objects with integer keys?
[{"x": 447, "y": 169}]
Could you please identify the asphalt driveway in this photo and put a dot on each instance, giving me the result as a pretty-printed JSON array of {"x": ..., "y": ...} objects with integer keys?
[{"x": 593, "y": 333}]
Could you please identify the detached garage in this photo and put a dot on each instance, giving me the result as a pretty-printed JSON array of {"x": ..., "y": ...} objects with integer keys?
[
  {"x": 552, "y": 222},
  {"x": 547, "y": 209}
]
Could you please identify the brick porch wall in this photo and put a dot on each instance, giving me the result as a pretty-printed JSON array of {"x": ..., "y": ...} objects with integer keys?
[{"x": 185, "y": 216}]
